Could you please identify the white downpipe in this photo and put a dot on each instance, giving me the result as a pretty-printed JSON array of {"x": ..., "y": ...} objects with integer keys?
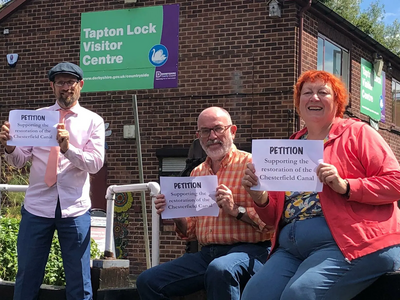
[{"x": 154, "y": 189}]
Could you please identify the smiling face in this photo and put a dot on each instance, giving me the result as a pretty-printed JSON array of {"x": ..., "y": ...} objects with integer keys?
[
  {"x": 67, "y": 89},
  {"x": 317, "y": 103},
  {"x": 216, "y": 145}
]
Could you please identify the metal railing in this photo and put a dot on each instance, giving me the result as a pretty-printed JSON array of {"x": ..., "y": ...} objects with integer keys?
[
  {"x": 154, "y": 189},
  {"x": 11, "y": 188}
]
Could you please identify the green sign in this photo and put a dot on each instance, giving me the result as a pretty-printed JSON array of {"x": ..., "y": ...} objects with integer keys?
[
  {"x": 371, "y": 95},
  {"x": 130, "y": 49}
]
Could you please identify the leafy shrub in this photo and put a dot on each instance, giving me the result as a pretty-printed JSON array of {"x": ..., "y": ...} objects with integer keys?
[
  {"x": 8, "y": 248},
  {"x": 54, "y": 273},
  {"x": 11, "y": 202}
]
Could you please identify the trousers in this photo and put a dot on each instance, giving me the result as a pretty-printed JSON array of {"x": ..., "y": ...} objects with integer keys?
[
  {"x": 222, "y": 270},
  {"x": 33, "y": 246},
  {"x": 309, "y": 265}
]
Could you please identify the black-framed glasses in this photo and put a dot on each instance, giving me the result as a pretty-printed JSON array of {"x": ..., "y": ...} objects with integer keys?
[
  {"x": 69, "y": 83},
  {"x": 205, "y": 132}
]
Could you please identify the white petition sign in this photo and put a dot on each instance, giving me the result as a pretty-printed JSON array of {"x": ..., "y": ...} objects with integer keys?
[
  {"x": 287, "y": 165},
  {"x": 189, "y": 196},
  {"x": 33, "y": 128}
]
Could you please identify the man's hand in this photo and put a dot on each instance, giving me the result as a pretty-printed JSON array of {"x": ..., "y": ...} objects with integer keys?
[
  {"x": 225, "y": 200},
  {"x": 160, "y": 203},
  {"x": 62, "y": 137},
  {"x": 5, "y": 136}
]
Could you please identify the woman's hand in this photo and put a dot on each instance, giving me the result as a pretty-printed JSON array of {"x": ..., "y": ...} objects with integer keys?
[
  {"x": 329, "y": 175},
  {"x": 249, "y": 180}
]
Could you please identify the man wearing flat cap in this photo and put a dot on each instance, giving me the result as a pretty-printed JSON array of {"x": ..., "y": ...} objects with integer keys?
[{"x": 58, "y": 194}]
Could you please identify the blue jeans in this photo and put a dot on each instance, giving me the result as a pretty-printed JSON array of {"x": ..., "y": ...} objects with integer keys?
[
  {"x": 33, "y": 246},
  {"x": 309, "y": 265},
  {"x": 223, "y": 270}
]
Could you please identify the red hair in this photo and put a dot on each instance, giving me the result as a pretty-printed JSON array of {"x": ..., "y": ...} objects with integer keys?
[{"x": 338, "y": 87}]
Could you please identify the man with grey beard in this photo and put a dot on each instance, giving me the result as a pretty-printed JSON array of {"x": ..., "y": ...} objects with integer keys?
[
  {"x": 58, "y": 194},
  {"x": 234, "y": 245}
]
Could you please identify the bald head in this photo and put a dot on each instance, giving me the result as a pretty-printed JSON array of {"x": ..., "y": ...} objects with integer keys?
[{"x": 213, "y": 114}]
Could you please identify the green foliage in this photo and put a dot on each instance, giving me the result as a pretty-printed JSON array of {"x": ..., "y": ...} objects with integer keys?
[
  {"x": 95, "y": 252},
  {"x": 8, "y": 248},
  {"x": 348, "y": 9},
  {"x": 11, "y": 201},
  {"x": 2, "y": 2},
  {"x": 54, "y": 273},
  {"x": 370, "y": 21}
]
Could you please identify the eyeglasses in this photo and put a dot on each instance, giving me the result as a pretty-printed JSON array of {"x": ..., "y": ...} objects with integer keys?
[
  {"x": 205, "y": 132},
  {"x": 68, "y": 83},
  {"x": 320, "y": 93}
]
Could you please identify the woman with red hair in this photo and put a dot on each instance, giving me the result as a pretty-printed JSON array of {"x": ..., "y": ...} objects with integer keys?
[{"x": 335, "y": 243}]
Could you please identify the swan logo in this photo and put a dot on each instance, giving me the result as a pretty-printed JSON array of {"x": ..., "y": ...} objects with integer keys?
[{"x": 158, "y": 55}]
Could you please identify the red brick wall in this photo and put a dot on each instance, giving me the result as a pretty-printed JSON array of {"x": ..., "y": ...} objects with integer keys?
[{"x": 231, "y": 54}]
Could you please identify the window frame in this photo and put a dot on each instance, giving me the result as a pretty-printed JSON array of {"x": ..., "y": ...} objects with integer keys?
[
  {"x": 344, "y": 61},
  {"x": 395, "y": 100}
]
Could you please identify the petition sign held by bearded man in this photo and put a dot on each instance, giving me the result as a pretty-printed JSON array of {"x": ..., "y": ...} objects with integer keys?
[{"x": 130, "y": 49}]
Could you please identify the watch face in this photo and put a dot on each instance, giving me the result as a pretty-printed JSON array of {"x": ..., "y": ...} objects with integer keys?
[{"x": 241, "y": 209}]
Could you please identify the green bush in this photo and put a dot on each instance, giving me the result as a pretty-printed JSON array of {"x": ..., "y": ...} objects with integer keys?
[
  {"x": 8, "y": 248},
  {"x": 11, "y": 202},
  {"x": 54, "y": 273}
]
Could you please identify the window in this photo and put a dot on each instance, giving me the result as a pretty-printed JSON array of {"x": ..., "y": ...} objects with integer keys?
[
  {"x": 172, "y": 166},
  {"x": 396, "y": 102},
  {"x": 171, "y": 161},
  {"x": 333, "y": 59}
]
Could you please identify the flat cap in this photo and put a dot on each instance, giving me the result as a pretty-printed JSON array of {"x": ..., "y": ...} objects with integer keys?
[{"x": 66, "y": 68}]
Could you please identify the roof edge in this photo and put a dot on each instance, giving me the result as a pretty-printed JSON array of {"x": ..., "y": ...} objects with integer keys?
[
  {"x": 10, "y": 8},
  {"x": 327, "y": 14}
]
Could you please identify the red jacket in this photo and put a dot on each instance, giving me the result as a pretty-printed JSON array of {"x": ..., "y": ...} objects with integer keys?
[{"x": 369, "y": 219}]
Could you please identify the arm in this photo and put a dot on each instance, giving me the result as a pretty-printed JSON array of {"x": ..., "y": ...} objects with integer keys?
[
  {"x": 227, "y": 202},
  {"x": 91, "y": 157},
  {"x": 379, "y": 181},
  {"x": 265, "y": 204}
]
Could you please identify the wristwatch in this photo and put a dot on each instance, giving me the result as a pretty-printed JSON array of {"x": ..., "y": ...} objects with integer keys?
[{"x": 242, "y": 211}]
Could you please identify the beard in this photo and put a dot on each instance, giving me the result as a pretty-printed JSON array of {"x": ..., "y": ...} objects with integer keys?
[
  {"x": 219, "y": 153},
  {"x": 67, "y": 100}
]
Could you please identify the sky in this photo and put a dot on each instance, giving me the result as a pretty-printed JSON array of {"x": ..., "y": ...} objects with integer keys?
[{"x": 392, "y": 9}]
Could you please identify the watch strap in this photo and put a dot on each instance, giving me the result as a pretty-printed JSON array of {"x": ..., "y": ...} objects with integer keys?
[{"x": 240, "y": 215}]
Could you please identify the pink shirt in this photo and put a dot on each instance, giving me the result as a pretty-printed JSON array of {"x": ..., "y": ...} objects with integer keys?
[{"x": 85, "y": 155}]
